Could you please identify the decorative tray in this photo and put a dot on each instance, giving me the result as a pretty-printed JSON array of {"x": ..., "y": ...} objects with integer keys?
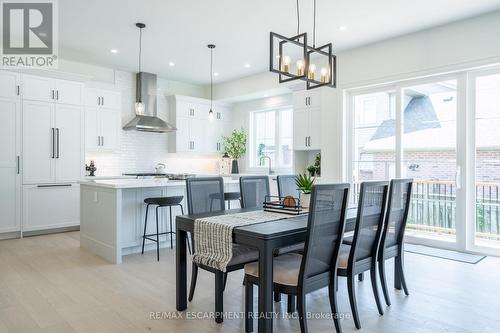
[{"x": 285, "y": 205}]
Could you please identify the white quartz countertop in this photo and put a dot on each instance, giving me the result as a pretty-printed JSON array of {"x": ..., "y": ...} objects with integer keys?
[{"x": 140, "y": 183}]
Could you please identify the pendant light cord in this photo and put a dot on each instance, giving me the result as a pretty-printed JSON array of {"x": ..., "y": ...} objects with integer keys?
[
  {"x": 211, "y": 77},
  {"x": 314, "y": 25},
  {"x": 140, "y": 49},
  {"x": 298, "y": 18}
]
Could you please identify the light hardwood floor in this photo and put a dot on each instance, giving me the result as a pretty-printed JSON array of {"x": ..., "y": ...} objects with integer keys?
[{"x": 49, "y": 284}]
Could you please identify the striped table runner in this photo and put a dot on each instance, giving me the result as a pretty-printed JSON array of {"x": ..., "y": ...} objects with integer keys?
[{"x": 213, "y": 236}]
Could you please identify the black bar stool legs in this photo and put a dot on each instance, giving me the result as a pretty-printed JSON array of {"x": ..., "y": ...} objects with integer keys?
[{"x": 159, "y": 203}]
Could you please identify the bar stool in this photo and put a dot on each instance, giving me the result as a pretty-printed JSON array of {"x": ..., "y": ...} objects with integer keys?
[
  {"x": 160, "y": 202},
  {"x": 232, "y": 196}
]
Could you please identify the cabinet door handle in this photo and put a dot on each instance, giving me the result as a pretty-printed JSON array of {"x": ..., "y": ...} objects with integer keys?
[
  {"x": 102, "y": 140},
  {"x": 54, "y": 185},
  {"x": 52, "y": 94},
  {"x": 102, "y": 98},
  {"x": 18, "y": 90},
  {"x": 98, "y": 100},
  {"x": 53, "y": 143},
  {"x": 18, "y": 164},
  {"x": 57, "y": 94},
  {"x": 57, "y": 135},
  {"x": 309, "y": 141},
  {"x": 306, "y": 140}
]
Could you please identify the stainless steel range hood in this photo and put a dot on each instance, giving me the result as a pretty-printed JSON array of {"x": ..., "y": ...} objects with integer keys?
[{"x": 148, "y": 121}]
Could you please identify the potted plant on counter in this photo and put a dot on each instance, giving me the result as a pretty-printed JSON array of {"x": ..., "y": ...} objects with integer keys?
[
  {"x": 304, "y": 185},
  {"x": 235, "y": 146}
]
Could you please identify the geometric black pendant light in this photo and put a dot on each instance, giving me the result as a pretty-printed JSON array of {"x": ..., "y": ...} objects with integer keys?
[{"x": 293, "y": 59}]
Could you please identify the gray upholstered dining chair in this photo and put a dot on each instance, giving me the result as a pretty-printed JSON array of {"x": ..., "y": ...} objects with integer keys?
[
  {"x": 204, "y": 195},
  {"x": 254, "y": 190},
  {"x": 296, "y": 274},
  {"x": 392, "y": 242},
  {"x": 287, "y": 186},
  {"x": 362, "y": 254}
]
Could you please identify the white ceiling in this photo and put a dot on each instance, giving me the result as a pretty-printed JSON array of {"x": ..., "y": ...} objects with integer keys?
[{"x": 179, "y": 30}]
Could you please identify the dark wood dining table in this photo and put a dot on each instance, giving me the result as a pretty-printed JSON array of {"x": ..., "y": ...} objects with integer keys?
[{"x": 265, "y": 237}]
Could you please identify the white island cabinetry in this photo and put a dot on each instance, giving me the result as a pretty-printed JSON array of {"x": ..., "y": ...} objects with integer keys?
[{"x": 112, "y": 214}]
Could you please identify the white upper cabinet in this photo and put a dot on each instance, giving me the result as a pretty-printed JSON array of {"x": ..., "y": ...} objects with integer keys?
[
  {"x": 38, "y": 88},
  {"x": 69, "y": 92},
  {"x": 195, "y": 131},
  {"x": 308, "y": 108},
  {"x": 102, "y": 98},
  {"x": 102, "y": 119},
  {"x": 44, "y": 89},
  {"x": 307, "y": 99},
  {"x": 10, "y": 85}
]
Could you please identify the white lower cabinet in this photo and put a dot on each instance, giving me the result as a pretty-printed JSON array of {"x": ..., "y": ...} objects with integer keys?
[{"x": 50, "y": 206}]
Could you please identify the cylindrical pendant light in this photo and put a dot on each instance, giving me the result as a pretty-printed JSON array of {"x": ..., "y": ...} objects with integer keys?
[
  {"x": 211, "y": 112},
  {"x": 139, "y": 105}
]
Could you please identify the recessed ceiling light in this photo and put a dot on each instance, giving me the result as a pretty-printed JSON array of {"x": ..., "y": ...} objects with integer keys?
[
  {"x": 342, "y": 28},
  {"x": 247, "y": 65},
  {"x": 216, "y": 74},
  {"x": 266, "y": 95},
  {"x": 171, "y": 64},
  {"x": 114, "y": 51}
]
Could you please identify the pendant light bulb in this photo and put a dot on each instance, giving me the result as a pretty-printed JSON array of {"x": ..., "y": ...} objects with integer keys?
[
  {"x": 139, "y": 108},
  {"x": 210, "y": 114}
]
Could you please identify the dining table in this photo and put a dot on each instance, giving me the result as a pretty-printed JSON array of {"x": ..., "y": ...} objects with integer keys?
[{"x": 265, "y": 237}]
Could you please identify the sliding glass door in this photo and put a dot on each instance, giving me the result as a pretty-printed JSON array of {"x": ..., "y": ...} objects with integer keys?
[
  {"x": 429, "y": 142},
  {"x": 410, "y": 130},
  {"x": 486, "y": 115}
]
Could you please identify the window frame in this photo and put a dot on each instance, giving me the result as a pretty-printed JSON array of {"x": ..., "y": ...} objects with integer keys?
[{"x": 253, "y": 163}]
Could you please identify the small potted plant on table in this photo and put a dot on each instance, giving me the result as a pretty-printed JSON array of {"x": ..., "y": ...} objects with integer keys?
[{"x": 304, "y": 185}]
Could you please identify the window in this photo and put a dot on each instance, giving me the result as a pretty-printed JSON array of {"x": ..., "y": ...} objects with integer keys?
[{"x": 271, "y": 135}]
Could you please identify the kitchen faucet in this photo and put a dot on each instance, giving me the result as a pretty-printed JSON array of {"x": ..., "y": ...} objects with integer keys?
[{"x": 269, "y": 158}]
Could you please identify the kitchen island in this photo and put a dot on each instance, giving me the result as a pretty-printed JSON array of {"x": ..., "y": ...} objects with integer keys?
[{"x": 112, "y": 213}]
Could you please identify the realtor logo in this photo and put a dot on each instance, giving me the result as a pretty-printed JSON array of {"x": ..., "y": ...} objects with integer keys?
[{"x": 29, "y": 33}]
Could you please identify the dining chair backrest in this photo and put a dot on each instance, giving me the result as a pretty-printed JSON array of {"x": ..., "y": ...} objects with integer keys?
[
  {"x": 287, "y": 186},
  {"x": 254, "y": 190},
  {"x": 370, "y": 221},
  {"x": 398, "y": 205},
  {"x": 325, "y": 230},
  {"x": 205, "y": 194}
]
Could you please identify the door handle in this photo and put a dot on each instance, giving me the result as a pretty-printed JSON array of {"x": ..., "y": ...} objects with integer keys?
[
  {"x": 102, "y": 98},
  {"x": 309, "y": 141},
  {"x": 18, "y": 164},
  {"x": 57, "y": 94},
  {"x": 102, "y": 140},
  {"x": 57, "y": 135},
  {"x": 52, "y": 94},
  {"x": 53, "y": 143},
  {"x": 458, "y": 178},
  {"x": 18, "y": 90}
]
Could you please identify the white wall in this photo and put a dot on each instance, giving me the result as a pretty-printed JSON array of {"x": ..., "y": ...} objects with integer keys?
[{"x": 460, "y": 45}]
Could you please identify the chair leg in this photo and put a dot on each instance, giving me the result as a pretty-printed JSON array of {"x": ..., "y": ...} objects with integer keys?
[
  {"x": 397, "y": 275},
  {"x": 291, "y": 304},
  {"x": 402, "y": 275},
  {"x": 277, "y": 297},
  {"x": 249, "y": 307},
  {"x": 373, "y": 278},
  {"x": 145, "y": 226},
  {"x": 361, "y": 277},
  {"x": 157, "y": 236},
  {"x": 352, "y": 300},
  {"x": 219, "y": 296},
  {"x": 224, "y": 282},
  {"x": 194, "y": 277},
  {"x": 301, "y": 308},
  {"x": 171, "y": 230},
  {"x": 383, "y": 281},
  {"x": 332, "y": 292}
]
